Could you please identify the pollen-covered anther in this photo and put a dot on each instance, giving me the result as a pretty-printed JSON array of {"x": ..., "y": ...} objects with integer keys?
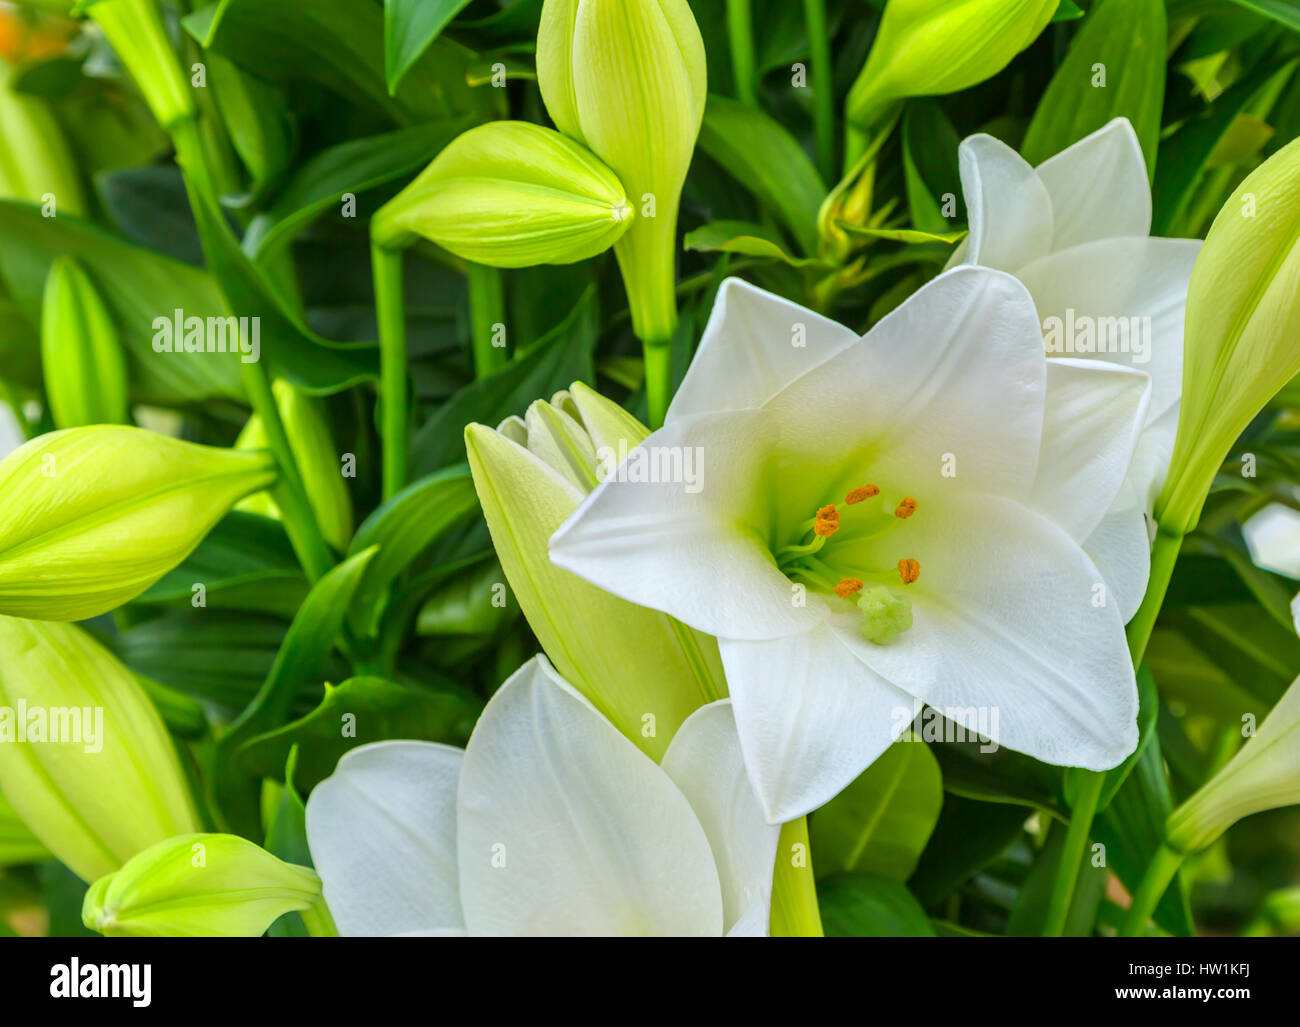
[
  {"x": 847, "y": 586},
  {"x": 824, "y": 528},
  {"x": 828, "y": 513},
  {"x": 906, "y": 508},
  {"x": 909, "y": 570},
  {"x": 861, "y": 494}
]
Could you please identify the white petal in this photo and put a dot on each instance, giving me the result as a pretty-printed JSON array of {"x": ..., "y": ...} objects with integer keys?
[
  {"x": 1295, "y": 612},
  {"x": 704, "y": 760},
  {"x": 1120, "y": 546},
  {"x": 1155, "y": 448},
  {"x": 955, "y": 375},
  {"x": 811, "y": 717},
  {"x": 1273, "y": 538},
  {"x": 382, "y": 833},
  {"x": 1094, "y": 415},
  {"x": 755, "y": 344},
  {"x": 1005, "y": 626},
  {"x": 1099, "y": 187},
  {"x": 566, "y": 828},
  {"x": 694, "y": 550},
  {"x": 1008, "y": 208},
  {"x": 1097, "y": 289}
]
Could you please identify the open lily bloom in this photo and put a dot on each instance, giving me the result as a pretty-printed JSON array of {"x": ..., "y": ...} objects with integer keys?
[
  {"x": 881, "y": 519},
  {"x": 1076, "y": 231},
  {"x": 550, "y": 822}
]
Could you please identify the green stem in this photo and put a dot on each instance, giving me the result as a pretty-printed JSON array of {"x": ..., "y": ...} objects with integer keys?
[
  {"x": 646, "y": 258},
  {"x": 740, "y": 31},
  {"x": 658, "y": 378},
  {"x": 1160, "y": 873},
  {"x": 319, "y": 921},
  {"x": 1163, "y": 557},
  {"x": 487, "y": 311},
  {"x": 1072, "y": 854},
  {"x": 795, "y": 912},
  {"x": 823, "y": 85},
  {"x": 390, "y": 309}
]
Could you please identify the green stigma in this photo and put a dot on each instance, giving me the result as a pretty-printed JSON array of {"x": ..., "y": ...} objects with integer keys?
[{"x": 885, "y": 615}]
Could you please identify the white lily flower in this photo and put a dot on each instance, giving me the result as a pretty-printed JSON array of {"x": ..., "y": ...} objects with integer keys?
[
  {"x": 1076, "y": 230},
  {"x": 1273, "y": 538},
  {"x": 550, "y": 822},
  {"x": 884, "y": 518}
]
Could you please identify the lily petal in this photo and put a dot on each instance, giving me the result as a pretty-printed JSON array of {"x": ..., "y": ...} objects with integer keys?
[
  {"x": 1273, "y": 538},
  {"x": 755, "y": 344},
  {"x": 1094, "y": 416},
  {"x": 811, "y": 717},
  {"x": 1099, "y": 187},
  {"x": 1008, "y": 207},
  {"x": 565, "y": 826},
  {"x": 382, "y": 833},
  {"x": 1121, "y": 548},
  {"x": 705, "y": 761}
]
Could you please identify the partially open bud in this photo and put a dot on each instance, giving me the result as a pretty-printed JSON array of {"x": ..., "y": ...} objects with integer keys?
[
  {"x": 628, "y": 79},
  {"x": 643, "y": 670},
  {"x": 511, "y": 194},
  {"x": 1265, "y": 774},
  {"x": 318, "y": 462},
  {"x": 932, "y": 47},
  {"x": 1243, "y": 320},
  {"x": 136, "y": 31},
  {"x": 35, "y": 162},
  {"x": 199, "y": 886},
  {"x": 85, "y": 760},
  {"x": 91, "y": 517},
  {"x": 85, "y": 369}
]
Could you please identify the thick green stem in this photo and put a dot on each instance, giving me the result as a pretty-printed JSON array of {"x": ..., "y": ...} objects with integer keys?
[
  {"x": 1161, "y": 872},
  {"x": 487, "y": 314},
  {"x": 390, "y": 309},
  {"x": 740, "y": 31},
  {"x": 319, "y": 921},
  {"x": 646, "y": 258},
  {"x": 1072, "y": 854},
  {"x": 795, "y": 912},
  {"x": 1163, "y": 557},
  {"x": 823, "y": 85}
]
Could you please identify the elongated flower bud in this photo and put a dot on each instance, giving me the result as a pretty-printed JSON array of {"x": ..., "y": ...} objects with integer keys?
[
  {"x": 35, "y": 162},
  {"x": 1265, "y": 774},
  {"x": 318, "y": 461},
  {"x": 511, "y": 194},
  {"x": 85, "y": 369},
  {"x": 931, "y": 47},
  {"x": 199, "y": 886},
  {"x": 646, "y": 672},
  {"x": 85, "y": 760},
  {"x": 628, "y": 78},
  {"x": 1243, "y": 319},
  {"x": 91, "y": 517},
  {"x": 135, "y": 30}
]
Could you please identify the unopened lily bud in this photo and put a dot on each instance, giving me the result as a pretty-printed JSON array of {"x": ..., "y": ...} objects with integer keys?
[
  {"x": 91, "y": 517},
  {"x": 643, "y": 670},
  {"x": 318, "y": 462},
  {"x": 85, "y": 369},
  {"x": 1265, "y": 774},
  {"x": 628, "y": 79},
  {"x": 85, "y": 760},
  {"x": 1243, "y": 320},
  {"x": 511, "y": 194},
  {"x": 35, "y": 162},
  {"x": 137, "y": 34},
  {"x": 932, "y": 47},
  {"x": 199, "y": 886}
]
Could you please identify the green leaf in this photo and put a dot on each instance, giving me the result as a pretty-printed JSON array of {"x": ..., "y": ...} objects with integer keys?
[
  {"x": 286, "y": 839},
  {"x": 866, "y": 906},
  {"x": 969, "y": 836},
  {"x": 745, "y": 238},
  {"x": 907, "y": 235},
  {"x": 999, "y": 776},
  {"x": 254, "y": 115},
  {"x": 930, "y": 146},
  {"x": 1148, "y": 709},
  {"x": 138, "y": 286},
  {"x": 766, "y": 160},
  {"x": 410, "y": 27},
  {"x": 17, "y": 843},
  {"x": 1126, "y": 38},
  {"x": 881, "y": 822},
  {"x": 1284, "y": 12},
  {"x": 1030, "y": 908},
  {"x": 1068, "y": 11}
]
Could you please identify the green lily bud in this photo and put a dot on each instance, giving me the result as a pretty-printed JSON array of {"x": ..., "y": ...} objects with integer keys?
[
  {"x": 511, "y": 194},
  {"x": 17, "y": 843},
  {"x": 85, "y": 760},
  {"x": 199, "y": 886},
  {"x": 628, "y": 79},
  {"x": 931, "y": 47},
  {"x": 318, "y": 462},
  {"x": 643, "y": 670},
  {"x": 136, "y": 31},
  {"x": 1243, "y": 317},
  {"x": 91, "y": 517},
  {"x": 1265, "y": 774},
  {"x": 85, "y": 367},
  {"x": 35, "y": 162}
]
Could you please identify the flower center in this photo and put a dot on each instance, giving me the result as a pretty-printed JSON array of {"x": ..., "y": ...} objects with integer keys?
[{"x": 825, "y": 555}]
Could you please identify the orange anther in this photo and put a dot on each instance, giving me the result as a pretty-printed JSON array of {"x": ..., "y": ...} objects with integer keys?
[
  {"x": 847, "y": 587},
  {"x": 906, "y": 508},
  {"x": 828, "y": 513},
  {"x": 861, "y": 494},
  {"x": 824, "y": 528},
  {"x": 909, "y": 570}
]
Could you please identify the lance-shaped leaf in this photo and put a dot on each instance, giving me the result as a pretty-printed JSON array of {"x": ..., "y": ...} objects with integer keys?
[{"x": 85, "y": 368}]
